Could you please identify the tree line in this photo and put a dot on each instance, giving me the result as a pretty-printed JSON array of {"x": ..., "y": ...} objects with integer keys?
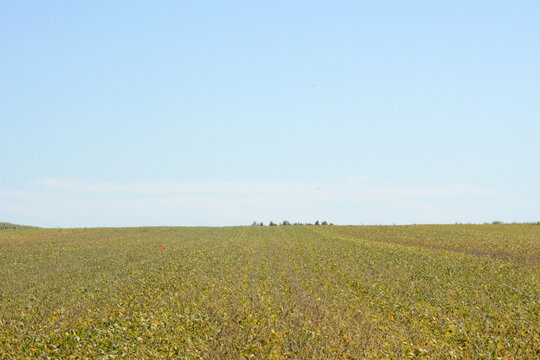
[{"x": 288, "y": 223}]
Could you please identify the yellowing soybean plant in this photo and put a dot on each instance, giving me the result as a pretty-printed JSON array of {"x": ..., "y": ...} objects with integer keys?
[{"x": 284, "y": 292}]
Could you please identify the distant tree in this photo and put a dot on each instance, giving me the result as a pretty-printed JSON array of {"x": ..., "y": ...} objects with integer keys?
[
  {"x": 317, "y": 222},
  {"x": 261, "y": 224},
  {"x": 285, "y": 223},
  {"x": 324, "y": 223},
  {"x": 271, "y": 223},
  {"x": 331, "y": 224},
  {"x": 254, "y": 223}
]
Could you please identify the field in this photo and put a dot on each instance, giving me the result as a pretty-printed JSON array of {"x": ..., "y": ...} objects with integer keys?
[{"x": 289, "y": 292}]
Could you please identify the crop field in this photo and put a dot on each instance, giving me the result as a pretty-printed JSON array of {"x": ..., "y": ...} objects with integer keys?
[{"x": 281, "y": 292}]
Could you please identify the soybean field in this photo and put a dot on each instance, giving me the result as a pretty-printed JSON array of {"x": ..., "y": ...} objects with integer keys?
[{"x": 280, "y": 292}]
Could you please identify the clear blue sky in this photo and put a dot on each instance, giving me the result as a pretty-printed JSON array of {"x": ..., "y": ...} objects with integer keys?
[{"x": 224, "y": 112}]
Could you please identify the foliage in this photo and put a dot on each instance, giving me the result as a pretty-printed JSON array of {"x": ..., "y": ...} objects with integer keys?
[{"x": 297, "y": 292}]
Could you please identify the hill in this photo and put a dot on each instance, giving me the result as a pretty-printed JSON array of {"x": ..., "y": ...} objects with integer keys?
[{"x": 6, "y": 225}]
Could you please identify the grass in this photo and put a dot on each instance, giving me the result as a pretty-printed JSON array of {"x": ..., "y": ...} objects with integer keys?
[{"x": 297, "y": 292}]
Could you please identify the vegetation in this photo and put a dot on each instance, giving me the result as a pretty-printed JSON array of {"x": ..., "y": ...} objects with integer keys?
[
  {"x": 6, "y": 225},
  {"x": 287, "y": 223},
  {"x": 298, "y": 292}
]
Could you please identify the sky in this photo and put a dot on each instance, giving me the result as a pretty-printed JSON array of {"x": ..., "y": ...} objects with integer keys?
[{"x": 139, "y": 113}]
